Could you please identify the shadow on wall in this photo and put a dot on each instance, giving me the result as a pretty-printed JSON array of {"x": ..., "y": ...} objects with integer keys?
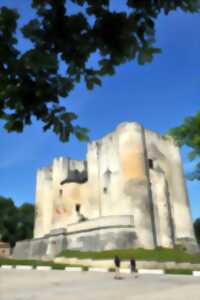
[{"x": 76, "y": 176}]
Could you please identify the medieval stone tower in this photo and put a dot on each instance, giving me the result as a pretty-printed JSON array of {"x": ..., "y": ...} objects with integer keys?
[{"x": 130, "y": 192}]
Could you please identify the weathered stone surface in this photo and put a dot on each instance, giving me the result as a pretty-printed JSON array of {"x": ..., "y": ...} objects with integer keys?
[
  {"x": 35, "y": 248},
  {"x": 56, "y": 244},
  {"x": 22, "y": 249},
  {"x": 188, "y": 244},
  {"x": 166, "y": 157},
  {"x": 102, "y": 240},
  {"x": 38, "y": 248},
  {"x": 130, "y": 172}
]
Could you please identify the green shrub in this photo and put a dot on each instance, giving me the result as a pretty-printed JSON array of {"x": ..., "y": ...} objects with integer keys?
[
  {"x": 58, "y": 266},
  {"x": 178, "y": 271}
]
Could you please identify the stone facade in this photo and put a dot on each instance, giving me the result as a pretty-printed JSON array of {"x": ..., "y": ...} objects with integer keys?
[{"x": 130, "y": 192}]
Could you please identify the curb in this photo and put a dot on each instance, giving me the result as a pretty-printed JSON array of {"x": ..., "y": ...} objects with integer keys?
[
  {"x": 196, "y": 273},
  {"x": 125, "y": 271},
  {"x": 98, "y": 270},
  {"x": 75, "y": 269},
  {"x": 22, "y": 267},
  {"x": 44, "y": 268},
  {"x": 152, "y": 272},
  {"x": 7, "y": 267},
  {"x": 101, "y": 270}
]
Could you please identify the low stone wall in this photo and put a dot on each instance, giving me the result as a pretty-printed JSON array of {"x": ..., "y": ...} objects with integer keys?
[
  {"x": 30, "y": 248},
  {"x": 102, "y": 223},
  {"x": 125, "y": 264},
  {"x": 105, "y": 233},
  {"x": 102, "y": 239}
]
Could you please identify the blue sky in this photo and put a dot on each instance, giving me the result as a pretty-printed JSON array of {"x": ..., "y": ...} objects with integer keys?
[{"x": 158, "y": 95}]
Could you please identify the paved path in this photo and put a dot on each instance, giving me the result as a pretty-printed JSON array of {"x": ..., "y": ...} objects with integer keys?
[{"x": 61, "y": 285}]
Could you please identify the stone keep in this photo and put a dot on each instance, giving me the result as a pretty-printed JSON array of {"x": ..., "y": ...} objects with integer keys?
[{"x": 129, "y": 193}]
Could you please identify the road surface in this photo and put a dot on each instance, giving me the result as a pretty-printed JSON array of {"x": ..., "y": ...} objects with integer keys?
[{"x": 62, "y": 285}]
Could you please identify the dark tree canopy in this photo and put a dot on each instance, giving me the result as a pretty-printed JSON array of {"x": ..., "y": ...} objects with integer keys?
[
  {"x": 197, "y": 229},
  {"x": 31, "y": 84},
  {"x": 16, "y": 223},
  {"x": 189, "y": 134}
]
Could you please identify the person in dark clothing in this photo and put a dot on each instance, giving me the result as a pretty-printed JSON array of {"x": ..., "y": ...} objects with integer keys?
[
  {"x": 133, "y": 265},
  {"x": 117, "y": 263}
]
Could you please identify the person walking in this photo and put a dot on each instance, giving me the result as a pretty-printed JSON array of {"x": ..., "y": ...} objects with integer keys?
[
  {"x": 117, "y": 263},
  {"x": 133, "y": 266}
]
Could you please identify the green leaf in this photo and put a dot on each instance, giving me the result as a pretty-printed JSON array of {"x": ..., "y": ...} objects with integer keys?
[{"x": 81, "y": 133}]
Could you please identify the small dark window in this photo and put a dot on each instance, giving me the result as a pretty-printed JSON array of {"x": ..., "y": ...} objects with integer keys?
[
  {"x": 150, "y": 163},
  {"x": 78, "y": 208},
  {"x": 105, "y": 190},
  {"x": 60, "y": 192}
]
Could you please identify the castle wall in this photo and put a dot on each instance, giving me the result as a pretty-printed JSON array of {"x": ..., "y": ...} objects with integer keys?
[
  {"x": 104, "y": 233},
  {"x": 162, "y": 214},
  {"x": 55, "y": 203},
  {"x": 166, "y": 159},
  {"x": 105, "y": 177},
  {"x": 117, "y": 180},
  {"x": 94, "y": 188},
  {"x": 44, "y": 202},
  {"x": 134, "y": 181},
  {"x": 183, "y": 229},
  {"x": 65, "y": 211}
]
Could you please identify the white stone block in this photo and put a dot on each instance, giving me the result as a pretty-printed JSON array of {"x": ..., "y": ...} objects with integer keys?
[
  {"x": 6, "y": 267},
  {"x": 125, "y": 271},
  {"x": 103, "y": 270},
  {"x": 22, "y": 267},
  {"x": 73, "y": 269},
  {"x": 43, "y": 268},
  {"x": 196, "y": 273},
  {"x": 151, "y": 271}
]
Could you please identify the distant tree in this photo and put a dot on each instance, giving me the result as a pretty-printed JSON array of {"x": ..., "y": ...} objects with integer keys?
[
  {"x": 197, "y": 229},
  {"x": 25, "y": 221},
  {"x": 189, "y": 134},
  {"x": 16, "y": 223},
  {"x": 31, "y": 82},
  {"x": 8, "y": 220}
]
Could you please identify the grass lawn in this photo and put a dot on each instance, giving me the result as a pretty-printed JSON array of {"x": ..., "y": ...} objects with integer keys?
[{"x": 159, "y": 254}]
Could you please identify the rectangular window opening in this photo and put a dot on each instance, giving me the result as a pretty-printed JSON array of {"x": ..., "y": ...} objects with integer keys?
[
  {"x": 78, "y": 208},
  {"x": 150, "y": 161}
]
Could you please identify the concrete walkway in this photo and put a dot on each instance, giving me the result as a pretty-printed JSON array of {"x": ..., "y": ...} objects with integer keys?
[{"x": 61, "y": 285}]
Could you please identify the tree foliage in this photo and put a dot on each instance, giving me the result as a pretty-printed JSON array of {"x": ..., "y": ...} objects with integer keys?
[
  {"x": 197, "y": 229},
  {"x": 31, "y": 82},
  {"x": 189, "y": 134},
  {"x": 16, "y": 223}
]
